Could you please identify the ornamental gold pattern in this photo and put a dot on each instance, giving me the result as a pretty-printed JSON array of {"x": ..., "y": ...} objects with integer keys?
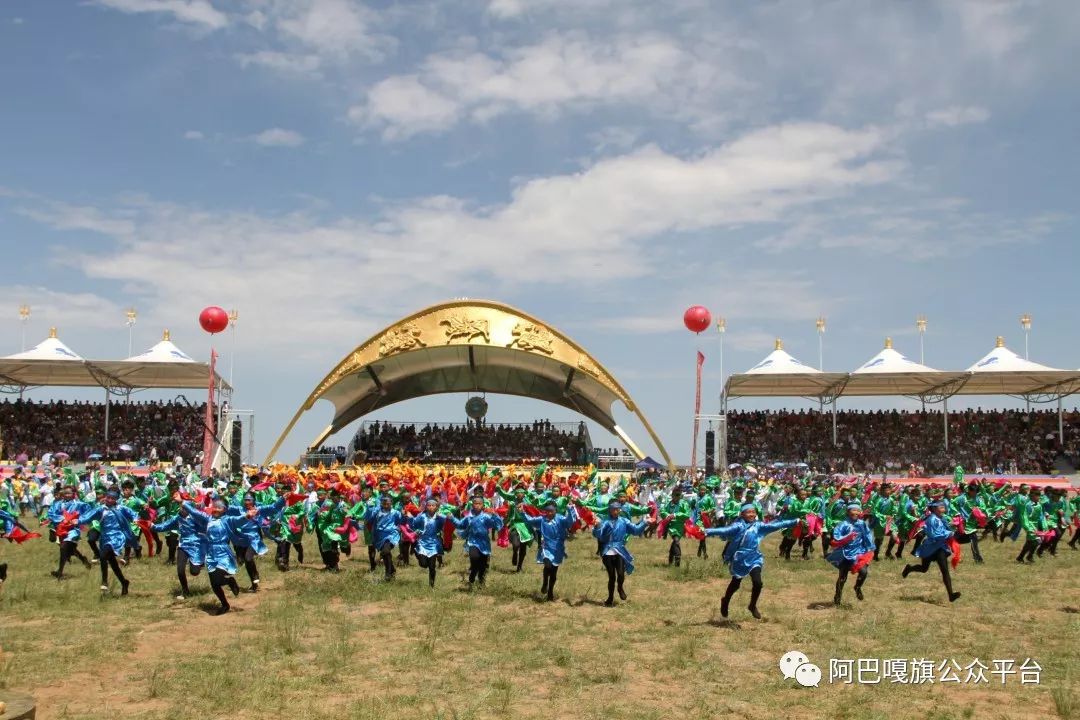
[
  {"x": 460, "y": 326},
  {"x": 404, "y": 337},
  {"x": 530, "y": 336}
]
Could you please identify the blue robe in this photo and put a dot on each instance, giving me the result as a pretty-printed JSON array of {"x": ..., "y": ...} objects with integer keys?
[
  {"x": 937, "y": 533},
  {"x": 612, "y": 535},
  {"x": 428, "y": 534},
  {"x": 476, "y": 529},
  {"x": 384, "y": 525},
  {"x": 552, "y": 534},
  {"x": 191, "y": 542},
  {"x": 115, "y": 521},
  {"x": 743, "y": 553},
  {"x": 862, "y": 543},
  {"x": 8, "y": 522},
  {"x": 219, "y": 532},
  {"x": 56, "y": 516},
  {"x": 251, "y": 531}
]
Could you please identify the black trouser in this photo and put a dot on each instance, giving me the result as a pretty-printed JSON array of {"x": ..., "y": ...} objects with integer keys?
[
  {"x": 172, "y": 541},
  {"x": 674, "y": 554},
  {"x": 845, "y": 568},
  {"x": 551, "y": 574},
  {"x": 157, "y": 542},
  {"x": 284, "y": 550},
  {"x": 247, "y": 556},
  {"x": 702, "y": 549},
  {"x": 1075, "y": 536},
  {"x": 430, "y": 564},
  {"x": 1028, "y": 551},
  {"x": 371, "y": 557},
  {"x": 785, "y": 547},
  {"x": 182, "y": 562},
  {"x": 108, "y": 560},
  {"x": 519, "y": 550},
  {"x": 69, "y": 549},
  {"x": 755, "y": 587},
  {"x": 404, "y": 550},
  {"x": 218, "y": 580},
  {"x": 973, "y": 539},
  {"x": 92, "y": 537},
  {"x": 387, "y": 553},
  {"x": 478, "y": 565},
  {"x": 942, "y": 559},
  {"x": 616, "y": 575}
]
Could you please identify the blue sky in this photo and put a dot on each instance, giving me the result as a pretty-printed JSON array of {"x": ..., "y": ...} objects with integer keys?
[{"x": 327, "y": 166}]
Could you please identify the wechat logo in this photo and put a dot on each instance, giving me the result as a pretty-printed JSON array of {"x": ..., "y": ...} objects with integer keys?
[{"x": 795, "y": 664}]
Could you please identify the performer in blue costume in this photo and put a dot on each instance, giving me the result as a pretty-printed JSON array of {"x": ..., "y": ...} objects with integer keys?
[
  {"x": 935, "y": 549},
  {"x": 429, "y": 548},
  {"x": 62, "y": 518},
  {"x": 475, "y": 527},
  {"x": 116, "y": 534},
  {"x": 220, "y": 529},
  {"x": 743, "y": 553},
  {"x": 552, "y": 530},
  {"x": 384, "y": 521},
  {"x": 612, "y": 534},
  {"x": 249, "y": 542},
  {"x": 853, "y": 550},
  {"x": 191, "y": 547}
]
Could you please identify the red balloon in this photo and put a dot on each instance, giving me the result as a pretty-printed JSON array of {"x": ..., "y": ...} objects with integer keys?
[
  {"x": 213, "y": 319},
  {"x": 697, "y": 318}
]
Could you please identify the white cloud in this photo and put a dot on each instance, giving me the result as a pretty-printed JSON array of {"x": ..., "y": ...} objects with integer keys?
[
  {"x": 338, "y": 28},
  {"x": 17, "y": 21},
  {"x": 193, "y": 135},
  {"x": 597, "y": 225},
  {"x": 65, "y": 310},
  {"x": 288, "y": 63},
  {"x": 278, "y": 137},
  {"x": 560, "y": 72},
  {"x": 957, "y": 115},
  {"x": 196, "y": 12}
]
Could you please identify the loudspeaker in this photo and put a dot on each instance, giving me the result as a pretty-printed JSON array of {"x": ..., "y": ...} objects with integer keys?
[
  {"x": 234, "y": 447},
  {"x": 710, "y": 453}
]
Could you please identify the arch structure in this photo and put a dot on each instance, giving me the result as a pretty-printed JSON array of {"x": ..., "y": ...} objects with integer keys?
[{"x": 470, "y": 346}]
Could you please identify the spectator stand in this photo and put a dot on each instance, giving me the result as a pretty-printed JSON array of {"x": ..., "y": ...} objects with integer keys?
[
  {"x": 51, "y": 363},
  {"x": 999, "y": 372}
]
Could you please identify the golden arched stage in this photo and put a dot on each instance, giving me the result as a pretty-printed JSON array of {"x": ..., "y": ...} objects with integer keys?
[{"x": 470, "y": 346}]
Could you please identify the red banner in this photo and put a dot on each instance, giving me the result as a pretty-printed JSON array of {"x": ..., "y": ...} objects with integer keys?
[
  {"x": 697, "y": 412},
  {"x": 208, "y": 432}
]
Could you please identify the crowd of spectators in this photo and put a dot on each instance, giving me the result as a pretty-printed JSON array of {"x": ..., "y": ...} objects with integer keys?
[
  {"x": 1003, "y": 441},
  {"x": 153, "y": 430},
  {"x": 542, "y": 440}
]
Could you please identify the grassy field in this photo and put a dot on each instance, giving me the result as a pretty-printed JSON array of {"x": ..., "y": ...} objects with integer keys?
[{"x": 314, "y": 646}]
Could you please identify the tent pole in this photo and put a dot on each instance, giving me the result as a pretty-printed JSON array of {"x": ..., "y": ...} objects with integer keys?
[
  {"x": 945, "y": 415},
  {"x": 106, "y": 448},
  {"x": 1061, "y": 425},
  {"x": 834, "y": 421}
]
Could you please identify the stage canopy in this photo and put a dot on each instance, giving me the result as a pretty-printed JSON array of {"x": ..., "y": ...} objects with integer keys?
[
  {"x": 889, "y": 373},
  {"x": 470, "y": 346},
  {"x": 53, "y": 364}
]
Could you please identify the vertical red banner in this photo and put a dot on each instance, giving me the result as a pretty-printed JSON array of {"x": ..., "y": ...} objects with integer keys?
[
  {"x": 697, "y": 412},
  {"x": 209, "y": 430}
]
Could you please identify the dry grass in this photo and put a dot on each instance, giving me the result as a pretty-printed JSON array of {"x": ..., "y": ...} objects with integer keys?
[{"x": 313, "y": 646}]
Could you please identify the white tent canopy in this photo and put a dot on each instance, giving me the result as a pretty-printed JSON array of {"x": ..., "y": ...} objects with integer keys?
[
  {"x": 164, "y": 352},
  {"x": 781, "y": 375},
  {"x": 53, "y": 364},
  {"x": 51, "y": 348},
  {"x": 890, "y": 361}
]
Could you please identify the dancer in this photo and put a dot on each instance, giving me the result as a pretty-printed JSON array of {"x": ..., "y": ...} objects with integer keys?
[
  {"x": 249, "y": 542},
  {"x": 219, "y": 529},
  {"x": 189, "y": 549},
  {"x": 853, "y": 550},
  {"x": 475, "y": 528},
  {"x": 64, "y": 519},
  {"x": 552, "y": 529},
  {"x": 743, "y": 553},
  {"x": 675, "y": 512},
  {"x": 384, "y": 521},
  {"x": 331, "y": 520},
  {"x": 520, "y": 536},
  {"x": 934, "y": 548},
  {"x": 612, "y": 534},
  {"x": 970, "y": 508},
  {"x": 428, "y": 547},
  {"x": 1032, "y": 520},
  {"x": 116, "y": 534}
]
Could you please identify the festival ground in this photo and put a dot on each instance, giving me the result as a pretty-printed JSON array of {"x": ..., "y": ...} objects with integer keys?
[{"x": 313, "y": 646}]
